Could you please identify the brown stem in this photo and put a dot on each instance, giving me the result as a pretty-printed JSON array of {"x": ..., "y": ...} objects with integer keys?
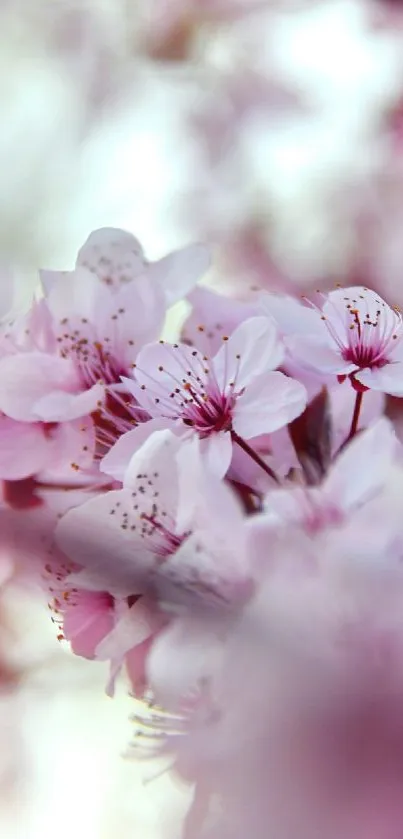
[
  {"x": 356, "y": 415},
  {"x": 251, "y": 452}
]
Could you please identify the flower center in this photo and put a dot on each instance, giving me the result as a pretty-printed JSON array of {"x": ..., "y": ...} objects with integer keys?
[
  {"x": 364, "y": 328},
  {"x": 96, "y": 364},
  {"x": 208, "y": 410},
  {"x": 148, "y": 518}
]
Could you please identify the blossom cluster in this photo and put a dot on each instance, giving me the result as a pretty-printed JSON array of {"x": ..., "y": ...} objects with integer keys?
[{"x": 219, "y": 516}]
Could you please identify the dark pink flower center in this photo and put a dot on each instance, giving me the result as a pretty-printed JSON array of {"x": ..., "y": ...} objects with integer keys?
[
  {"x": 368, "y": 343},
  {"x": 365, "y": 329},
  {"x": 97, "y": 364},
  {"x": 209, "y": 410}
]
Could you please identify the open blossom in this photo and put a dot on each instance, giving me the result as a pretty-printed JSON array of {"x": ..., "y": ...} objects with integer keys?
[
  {"x": 355, "y": 335},
  {"x": 236, "y": 395},
  {"x": 67, "y": 358},
  {"x": 308, "y": 740},
  {"x": 115, "y": 256},
  {"x": 357, "y": 476},
  {"x": 157, "y": 539},
  {"x": 96, "y": 624}
]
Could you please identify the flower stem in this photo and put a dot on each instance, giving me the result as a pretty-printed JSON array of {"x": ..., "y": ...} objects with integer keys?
[
  {"x": 251, "y": 452},
  {"x": 356, "y": 415}
]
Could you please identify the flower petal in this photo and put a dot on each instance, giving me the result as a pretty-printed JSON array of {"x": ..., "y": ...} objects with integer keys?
[
  {"x": 216, "y": 450},
  {"x": 291, "y": 316},
  {"x": 388, "y": 379},
  {"x": 361, "y": 469},
  {"x": 316, "y": 355},
  {"x": 60, "y": 406},
  {"x": 135, "y": 625},
  {"x": 24, "y": 449},
  {"x": 98, "y": 537},
  {"x": 179, "y": 271},
  {"x": 252, "y": 349},
  {"x": 268, "y": 403},
  {"x": 27, "y": 377},
  {"x": 115, "y": 463},
  {"x": 87, "y": 622},
  {"x": 115, "y": 256},
  {"x": 180, "y": 658}
]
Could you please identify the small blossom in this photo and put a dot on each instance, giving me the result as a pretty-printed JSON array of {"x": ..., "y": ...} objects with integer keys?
[
  {"x": 237, "y": 392},
  {"x": 356, "y": 335},
  {"x": 358, "y": 475}
]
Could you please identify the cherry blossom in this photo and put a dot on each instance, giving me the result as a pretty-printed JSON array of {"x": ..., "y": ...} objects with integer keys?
[
  {"x": 348, "y": 484},
  {"x": 356, "y": 335},
  {"x": 322, "y": 638},
  {"x": 158, "y": 540},
  {"x": 232, "y": 397},
  {"x": 115, "y": 256}
]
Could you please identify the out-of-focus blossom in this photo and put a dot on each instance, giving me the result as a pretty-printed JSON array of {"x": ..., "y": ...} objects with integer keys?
[
  {"x": 348, "y": 486},
  {"x": 323, "y": 639}
]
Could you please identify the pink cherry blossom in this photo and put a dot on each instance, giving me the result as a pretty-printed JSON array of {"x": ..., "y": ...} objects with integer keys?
[
  {"x": 357, "y": 476},
  {"x": 303, "y": 736},
  {"x": 82, "y": 617},
  {"x": 67, "y": 359},
  {"x": 120, "y": 537},
  {"x": 157, "y": 536},
  {"x": 234, "y": 396},
  {"x": 356, "y": 335},
  {"x": 115, "y": 256}
]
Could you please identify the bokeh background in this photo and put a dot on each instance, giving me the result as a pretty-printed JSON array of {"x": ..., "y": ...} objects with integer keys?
[{"x": 273, "y": 130}]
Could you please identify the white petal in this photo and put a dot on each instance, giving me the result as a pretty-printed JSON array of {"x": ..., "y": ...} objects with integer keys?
[
  {"x": 252, "y": 349},
  {"x": 178, "y": 272},
  {"x": 362, "y": 468},
  {"x": 388, "y": 379},
  {"x": 268, "y": 403}
]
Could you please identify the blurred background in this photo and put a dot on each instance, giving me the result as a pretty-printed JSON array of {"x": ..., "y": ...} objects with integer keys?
[{"x": 272, "y": 129}]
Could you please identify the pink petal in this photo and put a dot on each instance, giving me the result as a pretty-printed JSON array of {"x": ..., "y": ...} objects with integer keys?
[
  {"x": 180, "y": 658},
  {"x": 251, "y": 350},
  {"x": 360, "y": 471},
  {"x": 114, "y": 255},
  {"x": 268, "y": 403},
  {"x": 134, "y": 627},
  {"x": 388, "y": 379},
  {"x": 49, "y": 279},
  {"x": 136, "y": 663},
  {"x": 60, "y": 406},
  {"x": 178, "y": 272},
  {"x": 115, "y": 463},
  {"x": 71, "y": 442},
  {"x": 216, "y": 450},
  {"x": 217, "y": 314},
  {"x": 28, "y": 377},
  {"x": 160, "y": 369},
  {"x": 92, "y": 536},
  {"x": 76, "y": 295},
  {"x": 317, "y": 355},
  {"x": 133, "y": 315},
  {"x": 24, "y": 449},
  {"x": 203, "y": 497},
  {"x": 157, "y": 453},
  {"x": 291, "y": 316},
  {"x": 86, "y": 623}
]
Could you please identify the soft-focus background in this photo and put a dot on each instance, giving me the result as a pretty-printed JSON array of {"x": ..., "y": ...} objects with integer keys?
[{"x": 273, "y": 130}]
